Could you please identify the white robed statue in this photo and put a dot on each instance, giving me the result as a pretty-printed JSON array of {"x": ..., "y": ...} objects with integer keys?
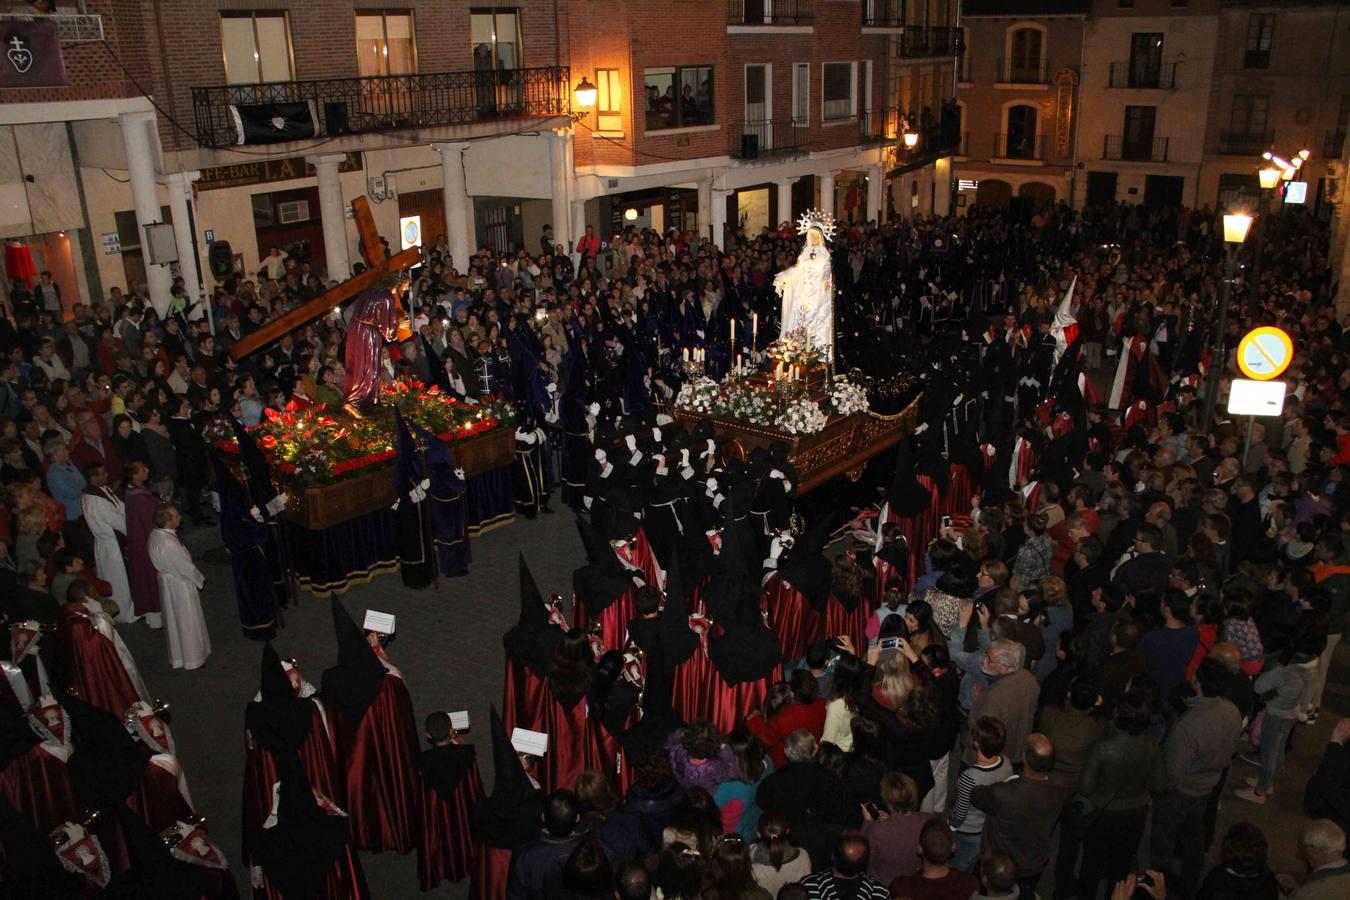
[{"x": 807, "y": 289}]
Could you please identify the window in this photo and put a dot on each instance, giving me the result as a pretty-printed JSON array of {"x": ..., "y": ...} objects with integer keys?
[
  {"x": 495, "y": 34},
  {"x": 679, "y": 97},
  {"x": 257, "y": 46},
  {"x": 1146, "y": 50},
  {"x": 801, "y": 93},
  {"x": 1249, "y": 114},
  {"x": 608, "y": 100},
  {"x": 1020, "y": 140},
  {"x": 384, "y": 43},
  {"x": 1260, "y": 28},
  {"x": 1139, "y": 125},
  {"x": 838, "y": 98},
  {"x": 1024, "y": 63}
]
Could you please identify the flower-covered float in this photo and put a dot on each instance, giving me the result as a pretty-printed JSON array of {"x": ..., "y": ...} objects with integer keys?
[
  {"x": 791, "y": 396},
  {"x": 337, "y": 467}
]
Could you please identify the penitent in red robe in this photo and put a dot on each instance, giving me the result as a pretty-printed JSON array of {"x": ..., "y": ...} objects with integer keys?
[{"x": 140, "y": 507}]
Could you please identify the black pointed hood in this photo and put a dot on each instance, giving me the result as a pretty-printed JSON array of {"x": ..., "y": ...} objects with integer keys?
[
  {"x": 297, "y": 853},
  {"x": 806, "y": 567},
  {"x": 906, "y": 496},
  {"x": 31, "y": 868},
  {"x": 658, "y": 713},
  {"x": 533, "y": 640},
  {"x": 747, "y": 649},
  {"x": 106, "y": 765},
  {"x": 511, "y": 815},
  {"x": 257, "y": 471},
  {"x": 444, "y": 768},
  {"x": 154, "y": 871},
  {"x": 603, "y": 579},
  {"x": 279, "y": 720},
  {"x": 354, "y": 683}
]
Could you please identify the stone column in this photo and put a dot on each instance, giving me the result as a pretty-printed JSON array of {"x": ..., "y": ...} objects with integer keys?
[
  {"x": 562, "y": 183},
  {"x": 136, "y": 139},
  {"x": 719, "y": 217},
  {"x": 827, "y": 192},
  {"x": 876, "y": 177},
  {"x": 458, "y": 209},
  {"x": 942, "y": 178},
  {"x": 183, "y": 210},
  {"x": 332, "y": 215},
  {"x": 705, "y": 193},
  {"x": 784, "y": 186}
]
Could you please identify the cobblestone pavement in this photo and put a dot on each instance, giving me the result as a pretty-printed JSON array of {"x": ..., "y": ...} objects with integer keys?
[{"x": 449, "y": 649}]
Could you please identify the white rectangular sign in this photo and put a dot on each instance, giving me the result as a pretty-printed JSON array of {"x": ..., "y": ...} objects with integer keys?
[
  {"x": 460, "y": 720},
  {"x": 534, "y": 743},
  {"x": 1256, "y": 398},
  {"x": 380, "y": 622}
]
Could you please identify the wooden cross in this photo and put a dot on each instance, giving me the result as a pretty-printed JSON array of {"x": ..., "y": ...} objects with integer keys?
[{"x": 380, "y": 266}]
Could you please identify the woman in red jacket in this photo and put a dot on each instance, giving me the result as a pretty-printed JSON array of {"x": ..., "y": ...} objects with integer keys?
[{"x": 789, "y": 706}]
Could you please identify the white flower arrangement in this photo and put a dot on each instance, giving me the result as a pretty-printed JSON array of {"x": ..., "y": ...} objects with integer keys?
[
  {"x": 802, "y": 416},
  {"x": 847, "y": 398},
  {"x": 743, "y": 402}
]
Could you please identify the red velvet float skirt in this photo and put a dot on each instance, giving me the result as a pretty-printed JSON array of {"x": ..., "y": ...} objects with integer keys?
[
  {"x": 961, "y": 486},
  {"x": 381, "y": 782},
  {"x": 574, "y": 744},
  {"x": 854, "y": 624},
  {"x": 447, "y": 849},
  {"x": 613, "y": 619}
]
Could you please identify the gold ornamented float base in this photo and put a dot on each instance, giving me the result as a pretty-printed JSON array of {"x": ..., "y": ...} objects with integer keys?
[{"x": 842, "y": 447}]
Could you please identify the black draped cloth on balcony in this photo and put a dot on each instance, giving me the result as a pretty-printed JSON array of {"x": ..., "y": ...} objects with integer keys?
[{"x": 275, "y": 123}]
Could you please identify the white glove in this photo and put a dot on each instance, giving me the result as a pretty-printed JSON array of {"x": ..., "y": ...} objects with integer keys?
[
  {"x": 586, "y": 502},
  {"x": 656, "y": 435},
  {"x": 686, "y": 473},
  {"x": 631, "y": 443},
  {"x": 278, "y": 503},
  {"x": 459, "y": 473},
  {"x": 776, "y": 473},
  {"x": 717, "y": 501},
  {"x": 635, "y": 458},
  {"x": 551, "y": 388},
  {"x": 528, "y": 437},
  {"x": 787, "y": 486},
  {"x": 255, "y": 513},
  {"x": 600, "y": 456}
]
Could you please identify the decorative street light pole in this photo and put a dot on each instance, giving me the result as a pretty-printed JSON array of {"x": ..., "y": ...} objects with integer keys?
[{"x": 1235, "y": 228}]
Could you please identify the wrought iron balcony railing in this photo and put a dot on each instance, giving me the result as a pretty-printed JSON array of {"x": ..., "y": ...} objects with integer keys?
[
  {"x": 920, "y": 41},
  {"x": 770, "y": 12},
  {"x": 1114, "y": 146},
  {"x": 1020, "y": 71},
  {"x": 770, "y": 137},
  {"x": 392, "y": 102},
  {"x": 1245, "y": 143},
  {"x": 1013, "y": 146},
  {"x": 1143, "y": 75}
]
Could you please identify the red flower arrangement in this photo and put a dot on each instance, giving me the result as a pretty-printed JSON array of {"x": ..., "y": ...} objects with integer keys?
[{"x": 308, "y": 445}]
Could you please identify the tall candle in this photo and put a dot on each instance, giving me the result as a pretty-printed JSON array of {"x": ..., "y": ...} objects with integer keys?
[
  {"x": 754, "y": 331},
  {"x": 733, "y": 334}
]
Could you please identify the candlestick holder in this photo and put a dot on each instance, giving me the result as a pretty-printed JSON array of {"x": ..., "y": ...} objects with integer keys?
[{"x": 692, "y": 368}]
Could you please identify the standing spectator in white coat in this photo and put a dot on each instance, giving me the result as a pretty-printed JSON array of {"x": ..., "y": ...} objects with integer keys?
[
  {"x": 106, "y": 517},
  {"x": 179, "y": 579}
]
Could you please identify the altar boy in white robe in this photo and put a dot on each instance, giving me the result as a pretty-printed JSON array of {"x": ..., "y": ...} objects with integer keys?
[
  {"x": 179, "y": 579},
  {"x": 106, "y": 516}
]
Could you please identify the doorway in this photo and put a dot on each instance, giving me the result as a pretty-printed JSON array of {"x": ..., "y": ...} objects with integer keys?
[
  {"x": 430, "y": 206},
  {"x": 1101, "y": 188},
  {"x": 1163, "y": 191}
]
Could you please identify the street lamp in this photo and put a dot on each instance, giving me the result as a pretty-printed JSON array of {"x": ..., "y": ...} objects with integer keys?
[
  {"x": 1235, "y": 229},
  {"x": 584, "y": 94},
  {"x": 911, "y": 139},
  {"x": 1277, "y": 169}
]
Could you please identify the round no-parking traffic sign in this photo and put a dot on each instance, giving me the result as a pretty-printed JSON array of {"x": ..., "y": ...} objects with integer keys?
[{"x": 1265, "y": 353}]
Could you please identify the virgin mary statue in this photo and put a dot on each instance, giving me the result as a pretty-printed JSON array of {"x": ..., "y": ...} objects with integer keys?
[{"x": 807, "y": 289}]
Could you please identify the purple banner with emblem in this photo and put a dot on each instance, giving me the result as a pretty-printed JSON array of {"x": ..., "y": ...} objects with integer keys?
[{"x": 32, "y": 54}]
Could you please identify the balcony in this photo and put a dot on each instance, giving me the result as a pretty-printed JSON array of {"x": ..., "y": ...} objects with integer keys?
[
  {"x": 771, "y": 138},
  {"x": 921, "y": 42},
  {"x": 883, "y": 13},
  {"x": 770, "y": 12},
  {"x": 388, "y": 103},
  {"x": 1333, "y": 145},
  {"x": 878, "y": 126},
  {"x": 1019, "y": 71},
  {"x": 1020, "y": 147},
  {"x": 1136, "y": 75},
  {"x": 71, "y": 27},
  {"x": 1245, "y": 143},
  {"x": 1114, "y": 146}
]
